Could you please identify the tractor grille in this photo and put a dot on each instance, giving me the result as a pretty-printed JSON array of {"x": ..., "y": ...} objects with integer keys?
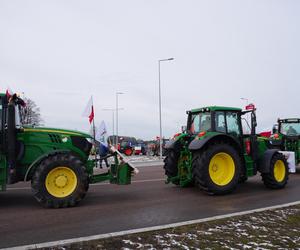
[{"x": 55, "y": 138}]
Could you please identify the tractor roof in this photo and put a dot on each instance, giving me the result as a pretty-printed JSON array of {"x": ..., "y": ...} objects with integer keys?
[
  {"x": 289, "y": 120},
  {"x": 215, "y": 108}
]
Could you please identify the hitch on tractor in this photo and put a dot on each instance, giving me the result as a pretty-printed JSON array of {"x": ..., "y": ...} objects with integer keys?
[{"x": 120, "y": 170}]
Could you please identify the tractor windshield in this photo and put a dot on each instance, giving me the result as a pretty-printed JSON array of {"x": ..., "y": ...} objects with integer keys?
[
  {"x": 18, "y": 116},
  {"x": 290, "y": 128},
  {"x": 200, "y": 122}
]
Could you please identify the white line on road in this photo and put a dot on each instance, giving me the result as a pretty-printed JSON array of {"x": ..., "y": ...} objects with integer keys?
[
  {"x": 147, "y": 229},
  {"x": 96, "y": 184}
]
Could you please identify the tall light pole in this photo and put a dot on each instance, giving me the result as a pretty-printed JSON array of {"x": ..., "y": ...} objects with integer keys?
[
  {"x": 117, "y": 108},
  {"x": 159, "y": 93}
]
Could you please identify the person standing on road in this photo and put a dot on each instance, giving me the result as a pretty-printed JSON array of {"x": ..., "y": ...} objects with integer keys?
[{"x": 103, "y": 152}]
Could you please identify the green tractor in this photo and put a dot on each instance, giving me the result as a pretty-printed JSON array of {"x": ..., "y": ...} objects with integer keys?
[
  {"x": 213, "y": 153},
  {"x": 286, "y": 136},
  {"x": 57, "y": 162}
]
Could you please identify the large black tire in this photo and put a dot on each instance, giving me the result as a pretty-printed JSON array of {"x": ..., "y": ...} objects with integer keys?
[
  {"x": 60, "y": 181},
  {"x": 170, "y": 164},
  {"x": 279, "y": 173},
  {"x": 217, "y": 168}
]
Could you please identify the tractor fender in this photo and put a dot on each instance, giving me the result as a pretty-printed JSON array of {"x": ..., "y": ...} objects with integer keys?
[
  {"x": 197, "y": 144},
  {"x": 264, "y": 162},
  {"x": 33, "y": 165},
  {"x": 171, "y": 144}
]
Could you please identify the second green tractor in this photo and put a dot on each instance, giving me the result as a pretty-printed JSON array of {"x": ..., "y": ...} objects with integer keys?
[{"x": 215, "y": 154}]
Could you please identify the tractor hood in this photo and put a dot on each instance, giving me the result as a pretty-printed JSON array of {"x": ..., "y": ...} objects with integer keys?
[
  {"x": 56, "y": 131},
  {"x": 39, "y": 141}
]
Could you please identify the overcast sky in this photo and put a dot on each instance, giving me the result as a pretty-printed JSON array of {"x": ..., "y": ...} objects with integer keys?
[{"x": 59, "y": 53}]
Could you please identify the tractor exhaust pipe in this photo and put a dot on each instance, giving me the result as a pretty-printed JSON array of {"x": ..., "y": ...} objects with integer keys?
[{"x": 11, "y": 142}]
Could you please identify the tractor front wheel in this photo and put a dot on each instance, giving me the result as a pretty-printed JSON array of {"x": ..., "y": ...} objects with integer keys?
[
  {"x": 60, "y": 181},
  {"x": 278, "y": 173},
  {"x": 217, "y": 168},
  {"x": 170, "y": 164}
]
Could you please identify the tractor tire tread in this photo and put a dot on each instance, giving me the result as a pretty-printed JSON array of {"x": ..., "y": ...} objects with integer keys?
[
  {"x": 268, "y": 178},
  {"x": 202, "y": 158},
  {"x": 38, "y": 181}
]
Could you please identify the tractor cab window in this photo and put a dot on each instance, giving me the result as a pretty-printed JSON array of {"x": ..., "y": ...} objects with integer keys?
[
  {"x": 200, "y": 122},
  {"x": 220, "y": 122},
  {"x": 18, "y": 117},
  {"x": 290, "y": 129},
  {"x": 232, "y": 123},
  {"x": 227, "y": 122}
]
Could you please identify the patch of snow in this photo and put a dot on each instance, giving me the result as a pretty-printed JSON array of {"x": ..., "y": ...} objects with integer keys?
[{"x": 136, "y": 245}]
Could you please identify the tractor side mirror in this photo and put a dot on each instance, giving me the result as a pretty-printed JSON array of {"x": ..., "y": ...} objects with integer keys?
[
  {"x": 275, "y": 129},
  {"x": 183, "y": 129}
]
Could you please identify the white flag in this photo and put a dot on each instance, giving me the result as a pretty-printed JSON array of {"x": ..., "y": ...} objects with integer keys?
[
  {"x": 89, "y": 110},
  {"x": 101, "y": 134}
]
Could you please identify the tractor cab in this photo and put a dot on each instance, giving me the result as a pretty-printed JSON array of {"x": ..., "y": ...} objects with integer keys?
[
  {"x": 218, "y": 119},
  {"x": 286, "y": 136},
  {"x": 226, "y": 121},
  {"x": 214, "y": 119},
  {"x": 289, "y": 127}
]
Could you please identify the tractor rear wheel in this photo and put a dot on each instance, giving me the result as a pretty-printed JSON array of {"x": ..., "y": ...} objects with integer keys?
[
  {"x": 217, "y": 168},
  {"x": 278, "y": 175},
  {"x": 60, "y": 181},
  {"x": 170, "y": 164}
]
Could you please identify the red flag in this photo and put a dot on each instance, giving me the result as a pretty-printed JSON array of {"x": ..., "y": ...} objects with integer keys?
[
  {"x": 9, "y": 93},
  {"x": 91, "y": 116},
  {"x": 89, "y": 110},
  {"x": 250, "y": 106}
]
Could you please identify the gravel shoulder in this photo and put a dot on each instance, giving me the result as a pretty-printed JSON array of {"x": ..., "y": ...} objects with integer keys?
[{"x": 272, "y": 229}]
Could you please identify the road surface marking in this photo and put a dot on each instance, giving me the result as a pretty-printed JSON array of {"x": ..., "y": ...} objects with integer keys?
[{"x": 147, "y": 229}]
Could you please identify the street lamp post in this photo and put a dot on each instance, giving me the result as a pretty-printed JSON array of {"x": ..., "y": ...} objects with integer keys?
[
  {"x": 159, "y": 93},
  {"x": 117, "y": 108}
]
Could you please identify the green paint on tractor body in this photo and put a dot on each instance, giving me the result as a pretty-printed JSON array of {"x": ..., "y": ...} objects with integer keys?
[
  {"x": 24, "y": 150},
  {"x": 209, "y": 128}
]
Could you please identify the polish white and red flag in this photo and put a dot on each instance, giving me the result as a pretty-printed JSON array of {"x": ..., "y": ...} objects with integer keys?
[{"x": 89, "y": 110}]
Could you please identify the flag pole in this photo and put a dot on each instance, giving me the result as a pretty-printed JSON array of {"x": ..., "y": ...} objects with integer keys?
[{"x": 94, "y": 130}]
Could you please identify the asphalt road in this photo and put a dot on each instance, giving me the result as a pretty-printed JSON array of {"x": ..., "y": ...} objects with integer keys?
[{"x": 111, "y": 208}]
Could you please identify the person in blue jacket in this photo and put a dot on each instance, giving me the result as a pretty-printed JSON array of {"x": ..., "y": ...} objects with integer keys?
[{"x": 103, "y": 152}]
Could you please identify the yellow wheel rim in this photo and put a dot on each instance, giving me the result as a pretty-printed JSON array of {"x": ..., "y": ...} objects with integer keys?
[
  {"x": 279, "y": 171},
  {"x": 221, "y": 169},
  {"x": 61, "y": 182}
]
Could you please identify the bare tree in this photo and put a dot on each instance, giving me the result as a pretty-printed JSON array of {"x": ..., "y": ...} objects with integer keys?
[{"x": 30, "y": 114}]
